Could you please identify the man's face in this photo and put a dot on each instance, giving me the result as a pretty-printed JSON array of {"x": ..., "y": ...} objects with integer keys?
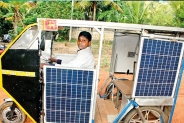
[{"x": 83, "y": 42}]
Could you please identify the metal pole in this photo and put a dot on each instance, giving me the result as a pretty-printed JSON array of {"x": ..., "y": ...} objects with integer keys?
[
  {"x": 101, "y": 32},
  {"x": 70, "y": 34}
]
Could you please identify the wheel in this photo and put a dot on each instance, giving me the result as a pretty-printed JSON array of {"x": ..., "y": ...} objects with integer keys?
[
  {"x": 18, "y": 115},
  {"x": 151, "y": 114},
  {"x": 110, "y": 87},
  {"x": 109, "y": 90}
]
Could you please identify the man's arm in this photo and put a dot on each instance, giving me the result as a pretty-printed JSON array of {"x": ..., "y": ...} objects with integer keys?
[
  {"x": 82, "y": 60},
  {"x": 58, "y": 61},
  {"x": 42, "y": 64}
]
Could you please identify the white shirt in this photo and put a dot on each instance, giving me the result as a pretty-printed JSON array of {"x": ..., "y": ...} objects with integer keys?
[{"x": 84, "y": 59}]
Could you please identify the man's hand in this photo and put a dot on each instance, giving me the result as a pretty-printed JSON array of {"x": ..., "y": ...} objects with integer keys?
[{"x": 53, "y": 59}]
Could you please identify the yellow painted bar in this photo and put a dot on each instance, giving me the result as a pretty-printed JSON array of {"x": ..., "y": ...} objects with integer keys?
[{"x": 18, "y": 73}]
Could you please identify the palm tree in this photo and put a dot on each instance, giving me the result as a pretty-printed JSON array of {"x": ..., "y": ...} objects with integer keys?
[
  {"x": 82, "y": 11},
  {"x": 136, "y": 11},
  {"x": 90, "y": 7},
  {"x": 17, "y": 11},
  {"x": 177, "y": 7},
  {"x": 160, "y": 14},
  {"x": 111, "y": 12}
]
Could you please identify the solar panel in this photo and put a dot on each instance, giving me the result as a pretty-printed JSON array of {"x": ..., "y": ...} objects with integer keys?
[
  {"x": 68, "y": 95},
  {"x": 158, "y": 68}
]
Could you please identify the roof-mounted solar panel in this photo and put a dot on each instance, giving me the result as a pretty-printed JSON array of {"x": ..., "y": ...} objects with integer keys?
[
  {"x": 158, "y": 67},
  {"x": 68, "y": 95}
]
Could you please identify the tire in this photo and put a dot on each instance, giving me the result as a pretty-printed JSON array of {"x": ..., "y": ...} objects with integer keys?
[
  {"x": 110, "y": 87},
  {"x": 18, "y": 115},
  {"x": 109, "y": 90},
  {"x": 151, "y": 114}
]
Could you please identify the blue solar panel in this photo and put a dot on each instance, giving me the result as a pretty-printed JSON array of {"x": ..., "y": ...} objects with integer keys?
[
  {"x": 159, "y": 63},
  {"x": 68, "y": 95}
]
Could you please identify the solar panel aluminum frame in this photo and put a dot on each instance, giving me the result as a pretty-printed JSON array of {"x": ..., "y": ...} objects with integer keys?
[
  {"x": 154, "y": 100},
  {"x": 93, "y": 94}
]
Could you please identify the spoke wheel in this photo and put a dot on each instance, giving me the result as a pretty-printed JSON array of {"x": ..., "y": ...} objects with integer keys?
[
  {"x": 6, "y": 117},
  {"x": 151, "y": 115}
]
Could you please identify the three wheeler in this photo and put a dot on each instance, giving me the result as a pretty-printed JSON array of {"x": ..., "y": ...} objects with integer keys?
[{"x": 152, "y": 54}]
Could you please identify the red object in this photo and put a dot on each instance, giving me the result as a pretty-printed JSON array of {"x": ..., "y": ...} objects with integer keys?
[
  {"x": 2, "y": 48},
  {"x": 1, "y": 51},
  {"x": 49, "y": 24}
]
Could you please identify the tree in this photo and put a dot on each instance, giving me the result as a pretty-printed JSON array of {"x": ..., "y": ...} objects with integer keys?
[
  {"x": 91, "y": 9},
  {"x": 5, "y": 26},
  {"x": 16, "y": 12},
  {"x": 178, "y": 9},
  {"x": 136, "y": 11},
  {"x": 49, "y": 9},
  {"x": 160, "y": 14},
  {"x": 111, "y": 12},
  {"x": 82, "y": 11}
]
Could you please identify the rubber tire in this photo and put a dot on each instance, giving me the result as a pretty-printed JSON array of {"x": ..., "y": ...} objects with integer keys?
[
  {"x": 133, "y": 112},
  {"x": 5, "y": 107},
  {"x": 109, "y": 90},
  {"x": 110, "y": 86}
]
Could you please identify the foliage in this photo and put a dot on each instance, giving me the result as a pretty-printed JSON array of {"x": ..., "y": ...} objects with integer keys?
[
  {"x": 16, "y": 12},
  {"x": 21, "y": 13},
  {"x": 63, "y": 34},
  {"x": 135, "y": 11},
  {"x": 178, "y": 12},
  {"x": 160, "y": 14},
  {"x": 5, "y": 26},
  {"x": 49, "y": 9},
  {"x": 82, "y": 10},
  {"x": 102, "y": 10},
  {"x": 110, "y": 12},
  {"x": 181, "y": 15}
]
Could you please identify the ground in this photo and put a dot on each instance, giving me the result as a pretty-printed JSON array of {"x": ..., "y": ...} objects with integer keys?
[{"x": 70, "y": 47}]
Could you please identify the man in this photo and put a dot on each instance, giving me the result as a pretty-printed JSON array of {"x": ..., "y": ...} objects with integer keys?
[{"x": 84, "y": 58}]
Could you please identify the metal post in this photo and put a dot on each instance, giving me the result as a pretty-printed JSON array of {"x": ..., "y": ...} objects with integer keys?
[
  {"x": 70, "y": 34},
  {"x": 98, "y": 68}
]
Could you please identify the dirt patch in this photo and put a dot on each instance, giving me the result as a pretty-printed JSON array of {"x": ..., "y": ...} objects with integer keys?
[{"x": 65, "y": 48}]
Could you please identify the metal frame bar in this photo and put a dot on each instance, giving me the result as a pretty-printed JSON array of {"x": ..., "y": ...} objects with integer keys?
[{"x": 113, "y": 25}]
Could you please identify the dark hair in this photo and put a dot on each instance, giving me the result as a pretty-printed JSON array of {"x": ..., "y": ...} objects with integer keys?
[{"x": 85, "y": 34}]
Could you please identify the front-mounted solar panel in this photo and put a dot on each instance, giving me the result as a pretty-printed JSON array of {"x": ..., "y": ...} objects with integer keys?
[
  {"x": 158, "y": 67},
  {"x": 68, "y": 95}
]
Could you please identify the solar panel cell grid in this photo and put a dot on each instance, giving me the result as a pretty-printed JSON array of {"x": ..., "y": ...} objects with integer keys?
[
  {"x": 158, "y": 67},
  {"x": 68, "y": 95}
]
